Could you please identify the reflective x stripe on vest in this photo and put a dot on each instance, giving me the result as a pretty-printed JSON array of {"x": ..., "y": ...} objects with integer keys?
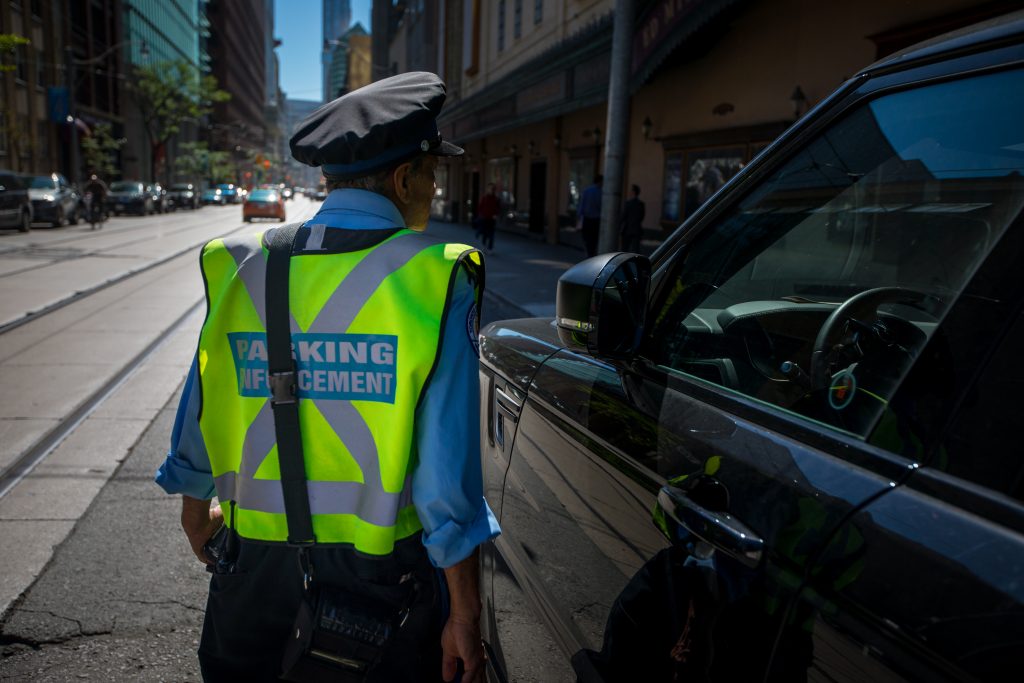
[{"x": 369, "y": 501}]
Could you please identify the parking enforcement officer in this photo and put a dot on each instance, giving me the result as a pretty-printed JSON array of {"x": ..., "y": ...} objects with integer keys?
[{"x": 384, "y": 338}]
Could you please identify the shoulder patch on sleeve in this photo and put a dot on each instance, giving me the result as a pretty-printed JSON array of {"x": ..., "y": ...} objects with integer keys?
[{"x": 473, "y": 329}]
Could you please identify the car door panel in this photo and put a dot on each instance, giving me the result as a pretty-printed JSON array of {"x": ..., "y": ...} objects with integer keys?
[
  {"x": 937, "y": 595},
  {"x": 596, "y": 442}
]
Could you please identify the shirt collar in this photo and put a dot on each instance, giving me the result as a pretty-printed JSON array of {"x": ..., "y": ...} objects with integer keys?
[{"x": 353, "y": 209}]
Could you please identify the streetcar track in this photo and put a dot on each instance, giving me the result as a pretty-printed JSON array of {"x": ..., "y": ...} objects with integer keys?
[
  {"x": 16, "y": 251},
  {"x": 25, "y": 463},
  {"x": 28, "y": 460},
  {"x": 81, "y": 294},
  {"x": 107, "y": 230}
]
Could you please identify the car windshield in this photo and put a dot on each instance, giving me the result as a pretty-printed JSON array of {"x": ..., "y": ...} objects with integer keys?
[
  {"x": 42, "y": 182},
  {"x": 181, "y": 186},
  {"x": 910, "y": 190},
  {"x": 226, "y": 187},
  {"x": 213, "y": 190},
  {"x": 263, "y": 196},
  {"x": 125, "y": 186}
]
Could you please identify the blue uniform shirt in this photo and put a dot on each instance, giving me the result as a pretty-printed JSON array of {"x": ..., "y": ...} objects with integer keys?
[{"x": 446, "y": 485}]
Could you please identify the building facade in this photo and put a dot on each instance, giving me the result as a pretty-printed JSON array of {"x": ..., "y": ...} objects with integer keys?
[
  {"x": 155, "y": 31},
  {"x": 350, "y": 62},
  {"x": 238, "y": 60},
  {"x": 337, "y": 16},
  {"x": 35, "y": 133},
  {"x": 712, "y": 82},
  {"x": 295, "y": 172}
]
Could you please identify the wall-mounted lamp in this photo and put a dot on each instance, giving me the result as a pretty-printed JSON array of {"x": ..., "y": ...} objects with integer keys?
[
  {"x": 513, "y": 149},
  {"x": 646, "y": 127},
  {"x": 557, "y": 141},
  {"x": 799, "y": 100}
]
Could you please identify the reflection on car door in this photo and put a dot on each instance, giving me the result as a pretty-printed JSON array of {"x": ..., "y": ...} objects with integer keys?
[
  {"x": 595, "y": 444},
  {"x": 936, "y": 591}
]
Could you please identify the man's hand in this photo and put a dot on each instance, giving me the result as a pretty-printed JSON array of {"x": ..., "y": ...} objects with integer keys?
[
  {"x": 200, "y": 522},
  {"x": 461, "y": 640}
]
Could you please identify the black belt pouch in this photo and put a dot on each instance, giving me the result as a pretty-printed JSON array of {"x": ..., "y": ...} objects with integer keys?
[{"x": 341, "y": 636}]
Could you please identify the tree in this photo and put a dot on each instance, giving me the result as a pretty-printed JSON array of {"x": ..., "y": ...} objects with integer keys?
[
  {"x": 168, "y": 94},
  {"x": 9, "y": 44},
  {"x": 196, "y": 160},
  {"x": 99, "y": 149}
]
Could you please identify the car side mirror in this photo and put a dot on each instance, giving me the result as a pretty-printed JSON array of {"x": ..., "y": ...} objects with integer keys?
[{"x": 601, "y": 304}]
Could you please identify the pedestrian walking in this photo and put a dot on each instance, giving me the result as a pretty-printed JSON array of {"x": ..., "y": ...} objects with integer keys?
[
  {"x": 333, "y": 408},
  {"x": 487, "y": 213},
  {"x": 590, "y": 215},
  {"x": 631, "y": 227}
]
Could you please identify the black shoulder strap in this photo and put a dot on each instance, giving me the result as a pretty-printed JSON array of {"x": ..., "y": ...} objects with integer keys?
[{"x": 284, "y": 396}]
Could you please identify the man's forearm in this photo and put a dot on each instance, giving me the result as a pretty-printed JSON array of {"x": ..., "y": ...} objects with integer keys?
[
  {"x": 464, "y": 587},
  {"x": 199, "y": 521}
]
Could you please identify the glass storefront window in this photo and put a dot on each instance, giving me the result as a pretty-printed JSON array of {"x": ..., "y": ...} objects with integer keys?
[
  {"x": 581, "y": 174},
  {"x": 672, "y": 193}
]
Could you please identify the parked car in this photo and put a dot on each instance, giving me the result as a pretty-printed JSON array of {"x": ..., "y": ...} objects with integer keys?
[
  {"x": 786, "y": 447},
  {"x": 213, "y": 195},
  {"x": 161, "y": 202},
  {"x": 130, "y": 196},
  {"x": 230, "y": 193},
  {"x": 263, "y": 203},
  {"x": 15, "y": 205},
  {"x": 184, "y": 196},
  {"x": 54, "y": 200}
]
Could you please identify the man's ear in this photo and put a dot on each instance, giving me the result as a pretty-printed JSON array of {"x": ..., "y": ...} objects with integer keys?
[{"x": 401, "y": 181}]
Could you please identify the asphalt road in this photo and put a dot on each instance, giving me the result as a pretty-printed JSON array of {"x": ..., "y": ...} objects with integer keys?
[{"x": 100, "y": 582}]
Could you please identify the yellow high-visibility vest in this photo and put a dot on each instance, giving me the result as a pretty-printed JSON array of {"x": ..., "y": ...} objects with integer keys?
[{"x": 366, "y": 329}]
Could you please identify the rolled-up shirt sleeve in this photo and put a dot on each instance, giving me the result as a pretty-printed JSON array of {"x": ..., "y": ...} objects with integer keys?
[
  {"x": 186, "y": 469},
  {"x": 447, "y": 485}
]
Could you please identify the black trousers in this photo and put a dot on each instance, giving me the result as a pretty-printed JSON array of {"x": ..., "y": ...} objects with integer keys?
[
  {"x": 590, "y": 229},
  {"x": 249, "y": 613}
]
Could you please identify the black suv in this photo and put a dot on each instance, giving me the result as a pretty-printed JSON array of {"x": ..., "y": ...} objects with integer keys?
[
  {"x": 785, "y": 448},
  {"x": 15, "y": 206}
]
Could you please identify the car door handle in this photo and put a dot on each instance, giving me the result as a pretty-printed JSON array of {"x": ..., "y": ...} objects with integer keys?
[
  {"x": 508, "y": 404},
  {"x": 720, "y": 529}
]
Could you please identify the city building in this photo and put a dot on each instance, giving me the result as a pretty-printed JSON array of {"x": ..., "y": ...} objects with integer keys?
[
  {"x": 712, "y": 82},
  {"x": 35, "y": 135},
  {"x": 350, "y": 62},
  {"x": 239, "y": 61},
  {"x": 337, "y": 16},
  {"x": 296, "y": 173},
  {"x": 155, "y": 32}
]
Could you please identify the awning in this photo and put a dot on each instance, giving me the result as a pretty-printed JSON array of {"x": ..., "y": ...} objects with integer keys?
[{"x": 665, "y": 26}]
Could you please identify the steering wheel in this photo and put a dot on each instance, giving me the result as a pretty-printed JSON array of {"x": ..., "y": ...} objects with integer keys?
[{"x": 859, "y": 307}]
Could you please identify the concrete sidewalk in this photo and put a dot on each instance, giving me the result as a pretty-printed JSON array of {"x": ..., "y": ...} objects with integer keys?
[{"x": 522, "y": 271}]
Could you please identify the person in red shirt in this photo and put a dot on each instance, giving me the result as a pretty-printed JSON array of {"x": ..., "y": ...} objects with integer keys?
[{"x": 487, "y": 213}]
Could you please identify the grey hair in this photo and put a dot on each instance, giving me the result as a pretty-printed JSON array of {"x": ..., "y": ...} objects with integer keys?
[{"x": 379, "y": 182}]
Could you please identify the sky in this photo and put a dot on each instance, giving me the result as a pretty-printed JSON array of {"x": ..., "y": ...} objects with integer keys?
[{"x": 297, "y": 23}]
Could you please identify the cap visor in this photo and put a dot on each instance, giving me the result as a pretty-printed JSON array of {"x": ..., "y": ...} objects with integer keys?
[{"x": 447, "y": 149}]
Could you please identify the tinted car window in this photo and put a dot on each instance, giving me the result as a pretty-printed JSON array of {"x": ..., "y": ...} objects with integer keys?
[
  {"x": 906, "y": 193},
  {"x": 126, "y": 187},
  {"x": 43, "y": 183},
  {"x": 989, "y": 415}
]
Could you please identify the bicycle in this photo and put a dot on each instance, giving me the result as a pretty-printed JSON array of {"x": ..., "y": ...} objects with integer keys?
[{"x": 95, "y": 211}]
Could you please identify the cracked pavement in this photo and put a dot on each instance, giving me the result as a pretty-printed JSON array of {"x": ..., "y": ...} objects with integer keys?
[{"x": 123, "y": 597}]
